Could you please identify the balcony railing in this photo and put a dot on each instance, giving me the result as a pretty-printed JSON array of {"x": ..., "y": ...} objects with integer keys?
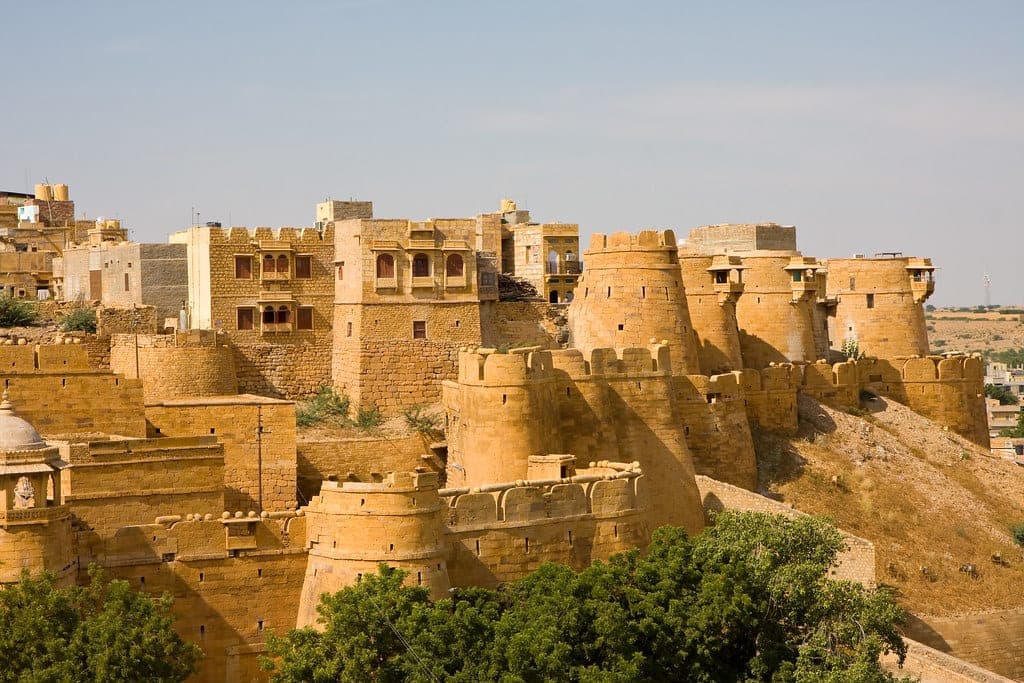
[
  {"x": 387, "y": 283},
  {"x": 566, "y": 268}
]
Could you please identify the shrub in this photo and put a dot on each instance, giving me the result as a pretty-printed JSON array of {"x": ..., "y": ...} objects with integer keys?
[
  {"x": 369, "y": 417},
  {"x": 327, "y": 403},
  {"x": 17, "y": 312},
  {"x": 420, "y": 421},
  {"x": 1018, "y": 533},
  {"x": 851, "y": 349},
  {"x": 79, "y": 320}
]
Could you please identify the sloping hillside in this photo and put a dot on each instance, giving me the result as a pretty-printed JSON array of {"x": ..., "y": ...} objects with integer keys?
[{"x": 931, "y": 501}]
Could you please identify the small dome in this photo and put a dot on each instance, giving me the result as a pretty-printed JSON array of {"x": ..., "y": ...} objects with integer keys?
[{"x": 15, "y": 433}]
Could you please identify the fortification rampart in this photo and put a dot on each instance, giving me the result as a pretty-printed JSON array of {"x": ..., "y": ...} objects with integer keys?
[
  {"x": 716, "y": 426},
  {"x": 175, "y": 365},
  {"x": 54, "y": 388},
  {"x": 167, "y": 474},
  {"x": 469, "y": 536},
  {"x": 234, "y": 577},
  {"x": 607, "y": 404},
  {"x": 770, "y": 395},
  {"x": 502, "y": 532},
  {"x": 949, "y": 390}
]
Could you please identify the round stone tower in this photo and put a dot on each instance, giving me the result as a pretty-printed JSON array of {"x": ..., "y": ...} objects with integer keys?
[
  {"x": 879, "y": 303},
  {"x": 502, "y": 411},
  {"x": 713, "y": 286},
  {"x": 630, "y": 294},
  {"x": 35, "y": 529},
  {"x": 776, "y": 312},
  {"x": 354, "y": 526}
]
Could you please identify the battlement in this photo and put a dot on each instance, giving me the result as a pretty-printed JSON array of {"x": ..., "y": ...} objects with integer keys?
[
  {"x": 645, "y": 240},
  {"x": 43, "y": 358},
  {"x": 488, "y": 367},
  {"x": 710, "y": 389},
  {"x": 527, "y": 502},
  {"x": 201, "y": 536},
  {"x": 291, "y": 235},
  {"x": 613, "y": 363}
]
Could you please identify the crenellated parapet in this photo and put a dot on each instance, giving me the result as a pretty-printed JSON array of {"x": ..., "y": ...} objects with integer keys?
[
  {"x": 271, "y": 238},
  {"x": 489, "y": 367},
  {"x": 771, "y": 396},
  {"x": 615, "y": 489},
  {"x": 43, "y": 358}
]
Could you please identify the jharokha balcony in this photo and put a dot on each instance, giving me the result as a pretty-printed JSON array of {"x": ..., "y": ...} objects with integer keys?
[{"x": 564, "y": 268}]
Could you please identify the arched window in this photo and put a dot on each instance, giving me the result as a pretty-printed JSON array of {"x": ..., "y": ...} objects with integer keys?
[
  {"x": 386, "y": 266},
  {"x": 553, "y": 262},
  {"x": 268, "y": 315},
  {"x": 283, "y": 314},
  {"x": 268, "y": 263},
  {"x": 282, "y": 264},
  {"x": 420, "y": 265},
  {"x": 455, "y": 266}
]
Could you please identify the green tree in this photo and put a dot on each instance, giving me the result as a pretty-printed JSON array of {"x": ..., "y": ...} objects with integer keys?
[
  {"x": 1005, "y": 395},
  {"x": 1016, "y": 432},
  {"x": 105, "y": 631},
  {"x": 748, "y": 599}
]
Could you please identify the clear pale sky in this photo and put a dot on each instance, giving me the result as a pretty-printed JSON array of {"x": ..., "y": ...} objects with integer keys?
[{"x": 871, "y": 126}]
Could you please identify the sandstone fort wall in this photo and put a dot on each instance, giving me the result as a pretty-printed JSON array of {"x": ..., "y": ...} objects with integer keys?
[
  {"x": 167, "y": 475},
  {"x": 855, "y": 563},
  {"x": 55, "y": 390},
  {"x": 259, "y": 444},
  {"x": 233, "y": 580}
]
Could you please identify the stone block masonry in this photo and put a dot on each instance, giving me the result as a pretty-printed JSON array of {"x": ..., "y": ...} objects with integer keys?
[{"x": 258, "y": 434}]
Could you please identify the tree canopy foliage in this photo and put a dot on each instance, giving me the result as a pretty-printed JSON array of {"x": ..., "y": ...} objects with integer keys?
[
  {"x": 1003, "y": 394},
  {"x": 104, "y": 632},
  {"x": 748, "y": 599}
]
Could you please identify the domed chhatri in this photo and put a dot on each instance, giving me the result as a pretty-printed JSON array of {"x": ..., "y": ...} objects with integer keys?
[{"x": 16, "y": 434}]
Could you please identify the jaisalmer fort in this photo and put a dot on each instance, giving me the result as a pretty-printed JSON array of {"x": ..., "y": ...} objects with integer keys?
[{"x": 526, "y": 399}]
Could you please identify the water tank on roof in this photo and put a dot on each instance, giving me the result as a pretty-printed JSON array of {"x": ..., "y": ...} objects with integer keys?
[
  {"x": 43, "y": 192},
  {"x": 60, "y": 192}
]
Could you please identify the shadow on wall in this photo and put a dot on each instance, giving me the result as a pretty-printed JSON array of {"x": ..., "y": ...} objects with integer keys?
[
  {"x": 918, "y": 630},
  {"x": 758, "y": 353},
  {"x": 717, "y": 359}
]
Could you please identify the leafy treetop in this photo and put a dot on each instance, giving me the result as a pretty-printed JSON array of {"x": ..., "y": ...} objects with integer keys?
[{"x": 748, "y": 599}]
